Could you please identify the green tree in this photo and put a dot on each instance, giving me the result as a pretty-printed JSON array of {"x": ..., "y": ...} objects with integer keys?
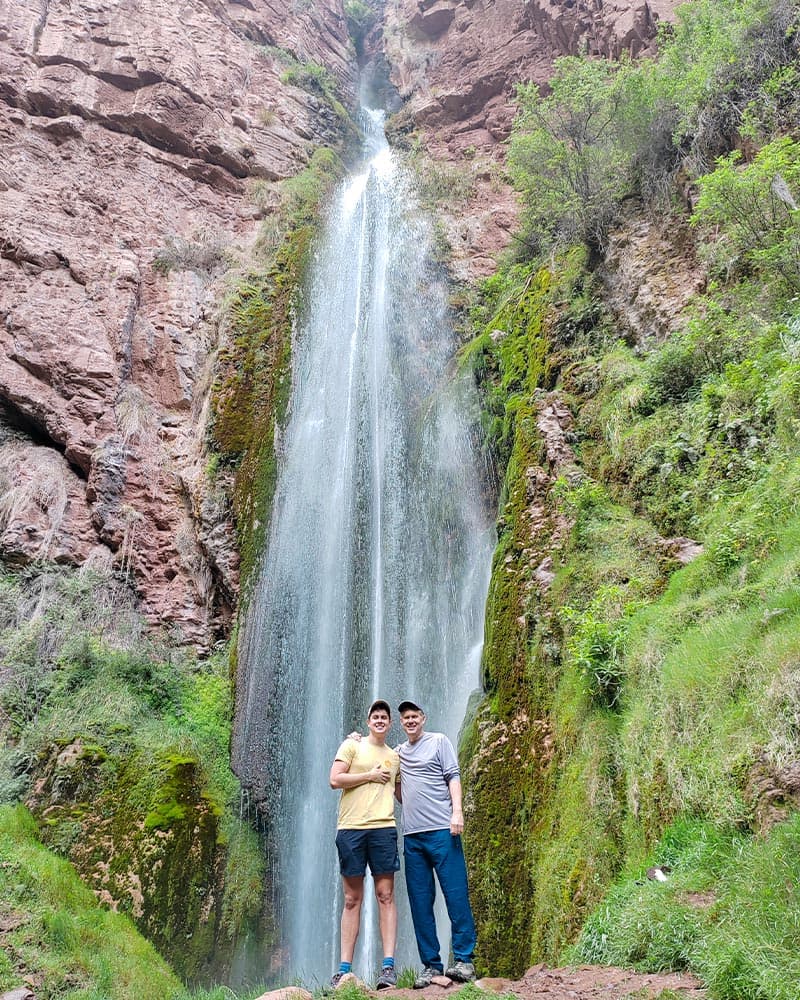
[{"x": 566, "y": 155}]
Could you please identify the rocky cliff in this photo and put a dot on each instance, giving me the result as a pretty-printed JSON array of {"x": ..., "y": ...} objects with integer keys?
[
  {"x": 457, "y": 63},
  {"x": 134, "y": 135},
  {"x": 139, "y": 141}
]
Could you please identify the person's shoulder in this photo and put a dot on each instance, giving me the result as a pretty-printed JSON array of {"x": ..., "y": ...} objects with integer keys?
[{"x": 347, "y": 749}]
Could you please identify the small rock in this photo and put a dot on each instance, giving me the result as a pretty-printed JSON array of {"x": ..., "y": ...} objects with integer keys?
[
  {"x": 23, "y": 993},
  {"x": 494, "y": 984},
  {"x": 294, "y": 992}
]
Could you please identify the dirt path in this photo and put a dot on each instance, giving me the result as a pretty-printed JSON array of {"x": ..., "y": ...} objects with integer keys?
[
  {"x": 584, "y": 982},
  {"x": 593, "y": 982}
]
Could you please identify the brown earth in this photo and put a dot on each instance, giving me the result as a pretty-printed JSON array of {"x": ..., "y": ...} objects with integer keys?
[
  {"x": 583, "y": 982},
  {"x": 133, "y": 133}
]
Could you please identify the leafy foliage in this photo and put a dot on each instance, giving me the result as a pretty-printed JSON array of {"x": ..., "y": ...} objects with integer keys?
[
  {"x": 755, "y": 207},
  {"x": 567, "y": 156},
  {"x": 609, "y": 129}
]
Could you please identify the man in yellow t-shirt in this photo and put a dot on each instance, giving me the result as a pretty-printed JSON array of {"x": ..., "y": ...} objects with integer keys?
[{"x": 368, "y": 773}]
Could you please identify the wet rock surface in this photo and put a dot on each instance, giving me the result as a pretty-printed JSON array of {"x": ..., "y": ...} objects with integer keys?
[
  {"x": 132, "y": 135},
  {"x": 650, "y": 273}
]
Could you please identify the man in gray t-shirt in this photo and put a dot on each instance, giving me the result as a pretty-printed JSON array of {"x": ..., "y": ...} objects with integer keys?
[{"x": 433, "y": 820}]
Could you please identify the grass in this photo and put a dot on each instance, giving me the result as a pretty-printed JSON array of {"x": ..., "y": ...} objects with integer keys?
[
  {"x": 729, "y": 911},
  {"x": 146, "y": 785},
  {"x": 61, "y": 937},
  {"x": 668, "y": 696},
  {"x": 61, "y": 942}
]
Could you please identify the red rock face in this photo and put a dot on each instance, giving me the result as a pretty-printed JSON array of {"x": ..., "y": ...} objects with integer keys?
[
  {"x": 457, "y": 64},
  {"x": 131, "y": 131}
]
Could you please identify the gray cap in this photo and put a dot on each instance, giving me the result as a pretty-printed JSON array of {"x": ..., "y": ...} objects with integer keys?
[{"x": 409, "y": 706}]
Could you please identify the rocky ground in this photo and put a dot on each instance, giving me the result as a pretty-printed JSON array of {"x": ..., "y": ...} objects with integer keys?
[{"x": 585, "y": 982}]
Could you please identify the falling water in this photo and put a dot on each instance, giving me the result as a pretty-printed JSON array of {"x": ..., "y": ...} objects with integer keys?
[{"x": 375, "y": 574}]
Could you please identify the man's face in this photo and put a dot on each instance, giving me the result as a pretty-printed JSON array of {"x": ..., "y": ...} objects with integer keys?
[
  {"x": 412, "y": 722},
  {"x": 379, "y": 722}
]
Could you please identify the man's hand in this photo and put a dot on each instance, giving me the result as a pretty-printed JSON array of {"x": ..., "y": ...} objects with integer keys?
[
  {"x": 354, "y": 736},
  {"x": 379, "y": 774},
  {"x": 457, "y": 822}
]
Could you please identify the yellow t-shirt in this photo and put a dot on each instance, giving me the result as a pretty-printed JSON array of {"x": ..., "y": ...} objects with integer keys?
[{"x": 369, "y": 805}]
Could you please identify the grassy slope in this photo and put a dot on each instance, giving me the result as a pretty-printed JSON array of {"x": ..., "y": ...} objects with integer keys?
[
  {"x": 57, "y": 938},
  {"x": 638, "y": 712}
]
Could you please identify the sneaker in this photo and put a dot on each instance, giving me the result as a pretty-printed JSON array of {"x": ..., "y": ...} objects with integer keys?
[
  {"x": 336, "y": 978},
  {"x": 388, "y": 979},
  {"x": 461, "y": 972},
  {"x": 425, "y": 978}
]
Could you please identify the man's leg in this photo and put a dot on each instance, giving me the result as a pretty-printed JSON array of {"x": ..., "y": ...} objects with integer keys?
[
  {"x": 451, "y": 871},
  {"x": 353, "y": 887},
  {"x": 387, "y": 912},
  {"x": 352, "y": 848},
  {"x": 421, "y": 895}
]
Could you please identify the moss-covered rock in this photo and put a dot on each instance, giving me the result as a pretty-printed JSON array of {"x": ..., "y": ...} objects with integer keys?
[{"x": 145, "y": 835}]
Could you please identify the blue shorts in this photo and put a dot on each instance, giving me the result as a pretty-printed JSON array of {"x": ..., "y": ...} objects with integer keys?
[{"x": 376, "y": 848}]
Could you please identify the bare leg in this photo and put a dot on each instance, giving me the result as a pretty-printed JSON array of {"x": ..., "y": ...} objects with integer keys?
[
  {"x": 387, "y": 912},
  {"x": 351, "y": 914}
]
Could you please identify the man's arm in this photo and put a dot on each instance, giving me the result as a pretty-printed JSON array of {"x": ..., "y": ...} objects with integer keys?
[
  {"x": 457, "y": 819},
  {"x": 398, "y": 791},
  {"x": 341, "y": 778}
]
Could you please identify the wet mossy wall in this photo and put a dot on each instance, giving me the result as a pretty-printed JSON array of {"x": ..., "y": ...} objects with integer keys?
[
  {"x": 504, "y": 746},
  {"x": 145, "y": 834}
]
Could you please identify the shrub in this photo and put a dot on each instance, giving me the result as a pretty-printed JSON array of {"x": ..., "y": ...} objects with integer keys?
[
  {"x": 203, "y": 254},
  {"x": 361, "y": 18},
  {"x": 596, "y": 643},
  {"x": 756, "y": 211}
]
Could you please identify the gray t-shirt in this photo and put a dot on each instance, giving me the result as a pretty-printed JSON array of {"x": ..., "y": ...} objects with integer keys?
[{"x": 426, "y": 769}]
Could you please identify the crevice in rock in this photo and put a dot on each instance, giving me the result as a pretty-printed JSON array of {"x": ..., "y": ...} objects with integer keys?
[
  {"x": 51, "y": 260},
  {"x": 15, "y": 417},
  {"x": 128, "y": 325},
  {"x": 40, "y": 25},
  {"x": 122, "y": 81},
  {"x": 254, "y": 33}
]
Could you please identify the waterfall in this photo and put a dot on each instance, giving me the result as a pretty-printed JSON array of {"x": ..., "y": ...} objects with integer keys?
[{"x": 375, "y": 573}]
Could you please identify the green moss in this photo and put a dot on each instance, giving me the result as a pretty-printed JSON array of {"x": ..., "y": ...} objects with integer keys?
[
  {"x": 254, "y": 372},
  {"x": 631, "y": 691},
  {"x": 504, "y": 745}
]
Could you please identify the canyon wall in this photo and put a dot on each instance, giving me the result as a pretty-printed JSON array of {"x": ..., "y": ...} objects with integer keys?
[
  {"x": 456, "y": 65},
  {"x": 139, "y": 139},
  {"x": 142, "y": 146}
]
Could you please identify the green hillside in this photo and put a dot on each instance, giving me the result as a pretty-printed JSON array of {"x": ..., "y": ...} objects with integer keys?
[{"x": 642, "y": 658}]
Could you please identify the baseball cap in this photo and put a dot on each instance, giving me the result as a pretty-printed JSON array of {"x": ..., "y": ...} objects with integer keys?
[
  {"x": 409, "y": 706},
  {"x": 380, "y": 703}
]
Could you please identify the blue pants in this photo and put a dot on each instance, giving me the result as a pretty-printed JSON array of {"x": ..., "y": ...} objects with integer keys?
[{"x": 438, "y": 851}]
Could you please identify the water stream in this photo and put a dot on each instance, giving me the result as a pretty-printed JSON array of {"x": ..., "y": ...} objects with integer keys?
[{"x": 375, "y": 573}]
